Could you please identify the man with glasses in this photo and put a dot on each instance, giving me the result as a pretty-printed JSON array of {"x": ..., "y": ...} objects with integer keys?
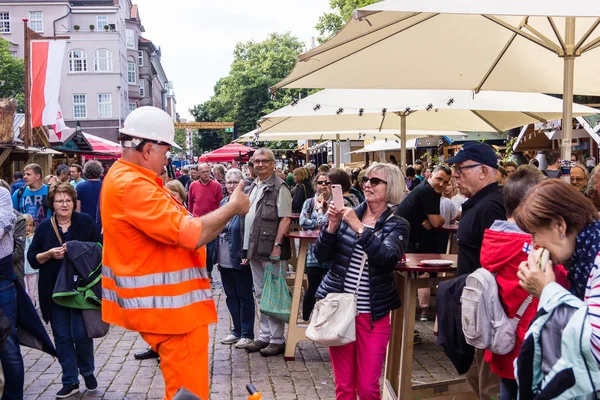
[
  {"x": 204, "y": 197},
  {"x": 154, "y": 280},
  {"x": 474, "y": 171},
  {"x": 264, "y": 242}
]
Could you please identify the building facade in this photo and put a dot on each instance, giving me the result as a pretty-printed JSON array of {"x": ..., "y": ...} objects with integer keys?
[{"x": 103, "y": 67}]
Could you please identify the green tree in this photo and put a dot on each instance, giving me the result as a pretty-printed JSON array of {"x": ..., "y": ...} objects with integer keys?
[
  {"x": 12, "y": 76},
  {"x": 242, "y": 96},
  {"x": 180, "y": 137},
  {"x": 332, "y": 22}
]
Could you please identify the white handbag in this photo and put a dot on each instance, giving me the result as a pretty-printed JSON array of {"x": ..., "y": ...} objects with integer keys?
[{"x": 332, "y": 322}]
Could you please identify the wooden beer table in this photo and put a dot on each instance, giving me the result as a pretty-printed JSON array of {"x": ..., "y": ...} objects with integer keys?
[
  {"x": 452, "y": 229},
  {"x": 399, "y": 358},
  {"x": 296, "y": 332}
]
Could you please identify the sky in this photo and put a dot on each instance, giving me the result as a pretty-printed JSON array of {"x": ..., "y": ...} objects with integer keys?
[{"x": 197, "y": 37}]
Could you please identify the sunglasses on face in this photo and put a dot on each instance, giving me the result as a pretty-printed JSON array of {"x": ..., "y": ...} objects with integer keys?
[
  {"x": 375, "y": 181},
  {"x": 461, "y": 170},
  {"x": 323, "y": 183}
]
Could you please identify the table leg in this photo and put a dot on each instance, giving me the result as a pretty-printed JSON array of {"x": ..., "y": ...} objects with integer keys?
[
  {"x": 296, "y": 332},
  {"x": 406, "y": 356},
  {"x": 392, "y": 359}
]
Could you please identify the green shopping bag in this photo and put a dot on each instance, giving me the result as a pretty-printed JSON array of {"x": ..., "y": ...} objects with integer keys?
[{"x": 276, "y": 301}]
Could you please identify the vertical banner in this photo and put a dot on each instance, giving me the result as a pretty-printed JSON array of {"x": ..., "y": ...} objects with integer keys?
[{"x": 46, "y": 70}]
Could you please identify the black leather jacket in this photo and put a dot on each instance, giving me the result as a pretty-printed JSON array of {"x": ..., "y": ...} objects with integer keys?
[{"x": 384, "y": 249}]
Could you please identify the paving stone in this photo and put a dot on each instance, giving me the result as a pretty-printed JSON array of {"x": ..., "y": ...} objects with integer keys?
[{"x": 308, "y": 377}]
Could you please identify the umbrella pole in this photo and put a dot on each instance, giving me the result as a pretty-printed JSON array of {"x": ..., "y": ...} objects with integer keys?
[
  {"x": 403, "y": 149},
  {"x": 568, "y": 82}
]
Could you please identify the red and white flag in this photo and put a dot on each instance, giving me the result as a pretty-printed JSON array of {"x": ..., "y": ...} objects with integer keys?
[
  {"x": 58, "y": 128},
  {"x": 46, "y": 69}
]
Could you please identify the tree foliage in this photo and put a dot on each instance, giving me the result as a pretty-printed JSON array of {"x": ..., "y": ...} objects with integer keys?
[
  {"x": 12, "y": 76},
  {"x": 242, "y": 96},
  {"x": 180, "y": 137},
  {"x": 332, "y": 22}
]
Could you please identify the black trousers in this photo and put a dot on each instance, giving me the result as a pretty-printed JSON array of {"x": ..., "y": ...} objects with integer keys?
[{"x": 315, "y": 276}]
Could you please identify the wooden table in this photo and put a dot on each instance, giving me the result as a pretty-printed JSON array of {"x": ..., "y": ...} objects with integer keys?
[
  {"x": 452, "y": 229},
  {"x": 399, "y": 358},
  {"x": 296, "y": 332},
  {"x": 295, "y": 224}
]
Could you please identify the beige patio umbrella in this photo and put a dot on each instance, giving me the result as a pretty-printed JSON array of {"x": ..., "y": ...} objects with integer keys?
[
  {"x": 512, "y": 45},
  {"x": 414, "y": 110}
]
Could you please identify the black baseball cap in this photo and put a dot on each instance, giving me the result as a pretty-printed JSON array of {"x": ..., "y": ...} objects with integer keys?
[{"x": 478, "y": 152}]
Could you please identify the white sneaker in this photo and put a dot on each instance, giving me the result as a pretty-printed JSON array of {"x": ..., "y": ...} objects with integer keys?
[
  {"x": 242, "y": 343},
  {"x": 231, "y": 339}
]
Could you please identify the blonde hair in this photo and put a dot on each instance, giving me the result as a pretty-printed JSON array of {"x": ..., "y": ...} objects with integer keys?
[
  {"x": 393, "y": 177},
  {"x": 177, "y": 187}
]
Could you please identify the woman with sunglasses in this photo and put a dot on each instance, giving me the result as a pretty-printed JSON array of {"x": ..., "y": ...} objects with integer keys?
[
  {"x": 314, "y": 217},
  {"x": 368, "y": 237}
]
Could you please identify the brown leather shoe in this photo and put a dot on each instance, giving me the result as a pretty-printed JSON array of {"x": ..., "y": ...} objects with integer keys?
[
  {"x": 273, "y": 349},
  {"x": 256, "y": 346}
]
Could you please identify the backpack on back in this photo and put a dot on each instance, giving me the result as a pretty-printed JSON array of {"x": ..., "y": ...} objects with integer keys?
[{"x": 484, "y": 322}]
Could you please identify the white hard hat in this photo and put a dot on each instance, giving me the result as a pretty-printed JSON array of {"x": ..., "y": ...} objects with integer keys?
[{"x": 150, "y": 123}]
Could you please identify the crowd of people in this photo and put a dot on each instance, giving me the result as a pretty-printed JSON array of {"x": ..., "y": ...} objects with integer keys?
[{"x": 163, "y": 236}]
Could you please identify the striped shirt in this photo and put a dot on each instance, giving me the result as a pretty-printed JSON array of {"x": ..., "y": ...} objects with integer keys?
[
  {"x": 351, "y": 281},
  {"x": 592, "y": 298}
]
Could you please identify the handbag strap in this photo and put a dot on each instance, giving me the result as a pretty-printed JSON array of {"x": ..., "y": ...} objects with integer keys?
[
  {"x": 362, "y": 267},
  {"x": 53, "y": 221},
  {"x": 523, "y": 307}
]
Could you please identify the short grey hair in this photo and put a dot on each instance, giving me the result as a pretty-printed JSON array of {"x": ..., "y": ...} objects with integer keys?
[
  {"x": 234, "y": 172},
  {"x": 310, "y": 166},
  {"x": 266, "y": 152},
  {"x": 92, "y": 169},
  {"x": 393, "y": 177}
]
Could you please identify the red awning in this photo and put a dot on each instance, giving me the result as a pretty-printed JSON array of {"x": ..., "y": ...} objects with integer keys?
[
  {"x": 104, "y": 146},
  {"x": 229, "y": 152}
]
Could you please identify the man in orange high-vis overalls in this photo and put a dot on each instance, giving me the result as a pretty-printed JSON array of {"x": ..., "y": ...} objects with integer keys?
[{"x": 154, "y": 278}]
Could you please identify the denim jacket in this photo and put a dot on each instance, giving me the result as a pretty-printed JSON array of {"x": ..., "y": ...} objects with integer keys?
[
  {"x": 233, "y": 230},
  {"x": 312, "y": 220}
]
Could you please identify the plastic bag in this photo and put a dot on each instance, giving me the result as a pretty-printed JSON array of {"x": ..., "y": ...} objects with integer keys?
[{"x": 276, "y": 301}]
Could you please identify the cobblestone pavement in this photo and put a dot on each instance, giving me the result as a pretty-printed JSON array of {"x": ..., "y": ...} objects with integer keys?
[{"x": 120, "y": 376}]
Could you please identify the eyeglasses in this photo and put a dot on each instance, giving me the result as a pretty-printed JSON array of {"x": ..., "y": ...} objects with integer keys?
[
  {"x": 364, "y": 179},
  {"x": 459, "y": 170},
  {"x": 375, "y": 181},
  {"x": 259, "y": 162},
  {"x": 63, "y": 202},
  {"x": 323, "y": 183},
  {"x": 232, "y": 182},
  {"x": 577, "y": 179}
]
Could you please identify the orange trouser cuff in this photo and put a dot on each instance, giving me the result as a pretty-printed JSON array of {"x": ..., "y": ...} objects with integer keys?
[{"x": 183, "y": 361}]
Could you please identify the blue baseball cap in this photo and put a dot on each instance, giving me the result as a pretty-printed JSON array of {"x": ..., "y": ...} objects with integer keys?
[{"x": 478, "y": 152}]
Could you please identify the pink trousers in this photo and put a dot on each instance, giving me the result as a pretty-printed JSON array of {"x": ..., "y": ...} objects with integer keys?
[{"x": 357, "y": 366}]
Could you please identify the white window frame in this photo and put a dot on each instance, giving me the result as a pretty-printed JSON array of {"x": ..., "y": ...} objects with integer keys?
[
  {"x": 73, "y": 61},
  {"x": 36, "y": 25},
  {"x": 130, "y": 38},
  {"x": 4, "y": 21},
  {"x": 131, "y": 73},
  {"x": 13, "y": 53},
  {"x": 79, "y": 108},
  {"x": 100, "y": 25},
  {"x": 142, "y": 87},
  {"x": 132, "y": 106},
  {"x": 104, "y": 105},
  {"x": 140, "y": 58},
  {"x": 102, "y": 61}
]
